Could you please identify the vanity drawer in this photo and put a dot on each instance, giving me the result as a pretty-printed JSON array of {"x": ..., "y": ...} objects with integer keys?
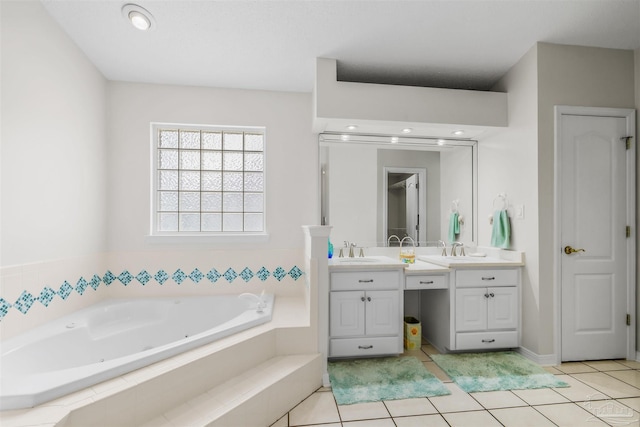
[
  {"x": 426, "y": 282},
  {"x": 347, "y": 347},
  {"x": 486, "y": 340},
  {"x": 492, "y": 277},
  {"x": 354, "y": 280}
]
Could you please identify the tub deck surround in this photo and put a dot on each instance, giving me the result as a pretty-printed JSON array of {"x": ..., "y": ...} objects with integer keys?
[
  {"x": 114, "y": 337},
  {"x": 148, "y": 392}
]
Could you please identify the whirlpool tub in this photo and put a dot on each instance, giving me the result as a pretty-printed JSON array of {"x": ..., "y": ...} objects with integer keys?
[{"x": 114, "y": 337}]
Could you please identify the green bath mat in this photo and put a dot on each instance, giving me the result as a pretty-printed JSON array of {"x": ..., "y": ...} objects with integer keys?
[
  {"x": 495, "y": 371},
  {"x": 389, "y": 378}
]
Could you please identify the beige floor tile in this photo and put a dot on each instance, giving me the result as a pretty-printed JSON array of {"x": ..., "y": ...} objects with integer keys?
[
  {"x": 498, "y": 399},
  {"x": 282, "y": 422},
  {"x": 363, "y": 411},
  {"x": 577, "y": 391},
  {"x": 418, "y": 354},
  {"x": 457, "y": 401},
  {"x": 540, "y": 396},
  {"x": 552, "y": 370},
  {"x": 421, "y": 421},
  {"x": 471, "y": 419},
  {"x": 613, "y": 412},
  {"x": 633, "y": 364},
  {"x": 574, "y": 368},
  {"x": 630, "y": 376},
  {"x": 631, "y": 402},
  {"x": 606, "y": 365},
  {"x": 318, "y": 408},
  {"x": 408, "y": 407},
  {"x": 570, "y": 415},
  {"x": 385, "y": 422},
  {"x": 435, "y": 370},
  {"x": 521, "y": 417},
  {"x": 608, "y": 385},
  {"x": 429, "y": 349}
]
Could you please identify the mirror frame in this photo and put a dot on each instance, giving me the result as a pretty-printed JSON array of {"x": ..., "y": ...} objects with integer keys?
[{"x": 327, "y": 140}]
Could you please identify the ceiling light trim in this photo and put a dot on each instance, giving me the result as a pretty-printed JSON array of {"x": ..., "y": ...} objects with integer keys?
[{"x": 139, "y": 17}]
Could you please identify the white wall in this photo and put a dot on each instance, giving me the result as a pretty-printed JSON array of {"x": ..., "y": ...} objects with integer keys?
[
  {"x": 570, "y": 75},
  {"x": 291, "y": 156},
  {"x": 507, "y": 163},
  {"x": 352, "y": 195},
  {"x": 53, "y": 169},
  {"x": 520, "y": 160},
  {"x": 53, "y": 141}
]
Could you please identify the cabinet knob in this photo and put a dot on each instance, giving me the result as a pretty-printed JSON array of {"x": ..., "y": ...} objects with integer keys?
[
  {"x": 486, "y": 295},
  {"x": 368, "y": 298},
  {"x": 362, "y": 299},
  {"x": 492, "y": 295}
]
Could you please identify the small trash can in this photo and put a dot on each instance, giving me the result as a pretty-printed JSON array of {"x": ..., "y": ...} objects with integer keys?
[{"x": 412, "y": 333}]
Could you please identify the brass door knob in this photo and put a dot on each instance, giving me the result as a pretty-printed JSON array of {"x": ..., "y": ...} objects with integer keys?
[{"x": 569, "y": 250}]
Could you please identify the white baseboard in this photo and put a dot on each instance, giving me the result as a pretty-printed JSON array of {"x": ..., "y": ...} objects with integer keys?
[{"x": 543, "y": 360}]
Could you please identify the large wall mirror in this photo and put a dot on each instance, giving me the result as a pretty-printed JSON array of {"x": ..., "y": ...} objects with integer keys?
[{"x": 373, "y": 188}]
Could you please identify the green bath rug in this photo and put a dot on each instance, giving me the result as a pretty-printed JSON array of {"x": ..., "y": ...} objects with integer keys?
[
  {"x": 389, "y": 378},
  {"x": 495, "y": 371}
]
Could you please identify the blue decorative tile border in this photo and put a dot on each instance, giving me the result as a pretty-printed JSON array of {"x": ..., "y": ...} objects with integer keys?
[{"x": 26, "y": 299}]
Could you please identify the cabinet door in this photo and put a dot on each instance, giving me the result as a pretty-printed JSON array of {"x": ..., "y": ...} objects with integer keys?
[
  {"x": 382, "y": 313},
  {"x": 346, "y": 313},
  {"x": 471, "y": 309},
  {"x": 502, "y": 308}
]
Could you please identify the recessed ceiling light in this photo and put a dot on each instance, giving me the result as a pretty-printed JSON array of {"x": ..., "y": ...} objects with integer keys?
[
  {"x": 138, "y": 16},
  {"x": 441, "y": 141},
  {"x": 394, "y": 139},
  {"x": 406, "y": 130},
  {"x": 458, "y": 132},
  {"x": 352, "y": 127},
  {"x": 344, "y": 137}
]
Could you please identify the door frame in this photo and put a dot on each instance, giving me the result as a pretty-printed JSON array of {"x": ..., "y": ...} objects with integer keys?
[
  {"x": 629, "y": 115},
  {"x": 422, "y": 198}
]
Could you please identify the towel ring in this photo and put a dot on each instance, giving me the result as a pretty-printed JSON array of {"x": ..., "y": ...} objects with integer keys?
[{"x": 502, "y": 197}]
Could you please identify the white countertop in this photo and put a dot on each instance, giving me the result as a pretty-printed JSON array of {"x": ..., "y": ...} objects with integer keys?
[
  {"x": 470, "y": 261},
  {"x": 430, "y": 263}
]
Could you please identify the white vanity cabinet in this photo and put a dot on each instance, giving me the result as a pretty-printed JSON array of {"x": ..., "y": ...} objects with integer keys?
[
  {"x": 486, "y": 308},
  {"x": 365, "y": 313}
]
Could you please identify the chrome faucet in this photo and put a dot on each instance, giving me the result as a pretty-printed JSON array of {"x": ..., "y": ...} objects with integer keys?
[
  {"x": 454, "y": 245},
  {"x": 260, "y": 304},
  {"x": 393, "y": 236},
  {"x": 444, "y": 247}
]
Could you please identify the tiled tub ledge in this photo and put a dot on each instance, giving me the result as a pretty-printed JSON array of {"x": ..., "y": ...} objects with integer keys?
[{"x": 150, "y": 393}]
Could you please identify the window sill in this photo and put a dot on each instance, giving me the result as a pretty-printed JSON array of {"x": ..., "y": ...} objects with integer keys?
[{"x": 207, "y": 238}]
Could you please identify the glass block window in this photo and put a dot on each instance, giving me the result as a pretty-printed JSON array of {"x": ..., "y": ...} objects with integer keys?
[{"x": 208, "y": 180}]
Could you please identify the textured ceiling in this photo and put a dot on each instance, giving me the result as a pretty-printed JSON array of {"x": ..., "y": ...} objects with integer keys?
[{"x": 272, "y": 45}]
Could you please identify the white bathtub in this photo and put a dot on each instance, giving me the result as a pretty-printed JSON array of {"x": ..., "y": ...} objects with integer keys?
[{"x": 114, "y": 337}]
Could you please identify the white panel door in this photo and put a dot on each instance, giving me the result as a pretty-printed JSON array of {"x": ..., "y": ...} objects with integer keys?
[
  {"x": 471, "y": 309},
  {"x": 382, "y": 313},
  {"x": 593, "y": 174},
  {"x": 412, "y": 196},
  {"x": 502, "y": 308},
  {"x": 347, "y": 314}
]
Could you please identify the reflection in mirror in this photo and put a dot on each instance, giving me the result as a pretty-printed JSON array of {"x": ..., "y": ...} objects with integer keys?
[
  {"x": 406, "y": 194},
  {"x": 368, "y": 189}
]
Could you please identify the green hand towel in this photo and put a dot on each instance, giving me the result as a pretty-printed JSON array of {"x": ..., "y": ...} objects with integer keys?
[
  {"x": 501, "y": 232},
  {"x": 454, "y": 227}
]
